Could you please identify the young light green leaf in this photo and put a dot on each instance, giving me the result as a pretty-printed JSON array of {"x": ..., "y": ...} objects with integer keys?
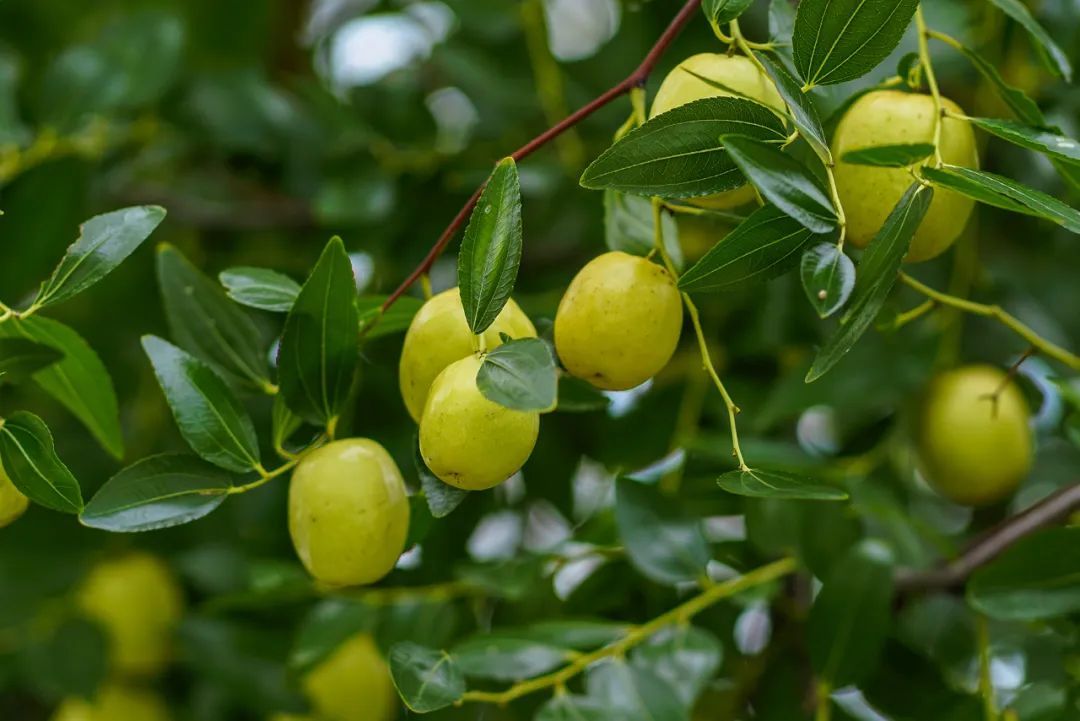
[
  {"x": 763, "y": 246},
  {"x": 502, "y": 657},
  {"x": 1002, "y": 192},
  {"x": 376, "y": 323},
  {"x": 442, "y": 498},
  {"x": 79, "y": 381},
  {"x": 678, "y": 154},
  {"x": 426, "y": 679},
  {"x": 784, "y": 181},
  {"x": 29, "y": 458},
  {"x": 1054, "y": 56},
  {"x": 803, "y": 112},
  {"x": 877, "y": 275},
  {"x": 890, "y": 156},
  {"x": 210, "y": 417},
  {"x": 1035, "y": 579},
  {"x": 759, "y": 483},
  {"x": 520, "y": 374},
  {"x": 1041, "y": 140},
  {"x": 840, "y": 40},
  {"x": 157, "y": 492},
  {"x": 628, "y": 226},
  {"x": 724, "y": 11},
  {"x": 260, "y": 288},
  {"x": 19, "y": 358},
  {"x": 104, "y": 243},
  {"x": 491, "y": 249},
  {"x": 828, "y": 277},
  {"x": 662, "y": 541},
  {"x": 206, "y": 323},
  {"x": 319, "y": 350}
]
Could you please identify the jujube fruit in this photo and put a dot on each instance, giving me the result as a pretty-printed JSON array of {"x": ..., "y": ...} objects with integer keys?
[
  {"x": 619, "y": 322},
  {"x": 348, "y": 512},
  {"x": 352, "y": 684},
  {"x": 114, "y": 702},
  {"x": 12, "y": 502}
]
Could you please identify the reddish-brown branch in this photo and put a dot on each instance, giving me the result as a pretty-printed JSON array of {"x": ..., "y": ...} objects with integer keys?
[{"x": 634, "y": 80}]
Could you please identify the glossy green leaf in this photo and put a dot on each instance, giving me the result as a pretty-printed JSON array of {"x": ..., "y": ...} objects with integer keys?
[
  {"x": 209, "y": 416},
  {"x": 840, "y": 40},
  {"x": 684, "y": 656},
  {"x": 426, "y": 679},
  {"x": 778, "y": 484},
  {"x": 205, "y": 323},
  {"x": 319, "y": 350},
  {"x": 283, "y": 422},
  {"x": 890, "y": 156},
  {"x": 491, "y": 249},
  {"x": 828, "y": 277},
  {"x": 157, "y": 492},
  {"x": 1055, "y": 57},
  {"x": 19, "y": 358},
  {"x": 876, "y": 277},
  {"x": 784, "y": 181},
  {"x": 30, "y": 461},
  {"x": 442, "y": 498},
  {"x": 851, "y": 616},
  {"x": 724, "y": 11},
  {"x": 502, "y": 657},
  {"x": 260, "y": 288},
  {"x": 520, "y": 374},
  {"x": 104, "y": 242},
  {"x": 578, "y": 396},
  {"x": 628, "y": 226},
  {"x": 1038, "y": 578},
  {"x": 1026, "y": 109},
  {"x": 663, "y": 542},
  {"x": 633, "y": 693},
  {"x": 678, "y": 154},
  {"x": 1041, "y": 140},
  {"x": 803, "y": 112},
  {"x": 376, "y": 323},
  {"x": 329, "y": 624}
]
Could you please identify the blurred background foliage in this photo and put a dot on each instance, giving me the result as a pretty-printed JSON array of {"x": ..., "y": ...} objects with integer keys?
[{"x": 265, "y": 127}]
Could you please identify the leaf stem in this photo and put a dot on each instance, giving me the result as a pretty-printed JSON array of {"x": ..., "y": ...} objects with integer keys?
[
  {"x": 931, "y": 80},
  {"x": 266, "y": 476},
  {"x": 914, "y": 314},
  {"x": 986, "y": 682},
  {"x": 823, "y": 693}
]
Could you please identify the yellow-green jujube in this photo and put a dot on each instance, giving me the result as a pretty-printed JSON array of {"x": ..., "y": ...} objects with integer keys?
[
  {"x": 440, "y": 335},
  {"x": 348, "y": 512},
  {"x": 974, "y": 449},
  {"x": 467, "y": 440},
  {"x": 868, "y": 194},
  {"x": 114, "y": 702},
  {"x": 12, "y": 502},
  {"x": 352, "y": 684},
  {"x": 619, "y": 322},
  {"x": 139, "y": 603},
  {"x": 742, "y": 76}
]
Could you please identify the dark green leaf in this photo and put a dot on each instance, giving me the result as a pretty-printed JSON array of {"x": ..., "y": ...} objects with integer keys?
[
  {"x": 520, "y": 374},
  {"x": 260, "y": 288},
  {"x": 840, "y": 40},
  {"x": 105, "y": 242},
  {"x": 1041, "y": 140},
  {"x": 628, "y": 226},
  {"x": 684, "y": 656},
  {"x": 633, "y": 693},
  {"x": 442, "y": 498},
  {"x": 1055, "y": 57},
  {"x": 319, "y": 349},
  {"x": 426, "y": 679},
  {"x": 73, "y": 660},
  {"x": 889, "y": 156},
  {"x": 803, "y": 113},
  {"x": 877, "y": 275},
  {"x": 1024, "y": 107},
  {"x": 828, "y": 277},
  {"x": 420, "y": 520},
  {"x": 491, "y": 249},
  {"x": 662, "y": 541},
  {"x": 502, "y": 657},
  {"x": 778, "y": 484},
  {"x": 210, "y": 417},
  {"x": 329, "y": 624},
  {"x": 678, "y": 154},
  {"x": 30, "y": 461},
  {"x": 578, "y": 396},
  {"x": 19, "y": 358},
  {"x": 1038, "y": 578},
  {"x": 576, "y": 635},
  {"x": 785, "y": 181},
  {"x": 157, "y": 492},
  {"x": 724, "y": 11},
  {"x": 375, "y": 323}
]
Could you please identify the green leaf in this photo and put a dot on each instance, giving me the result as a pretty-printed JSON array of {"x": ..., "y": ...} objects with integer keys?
[
  {"x": 1038, "y": 578},
  {"x": 628, "y": 226},
  {"x": 283, "y": 422},
  {"x": 573, "y": 708},
  {"x": 828, "y": 277},
  {"x": 785, "y": 181},
  {"x": 30, "y": 461},
  {"x": 1024, "y": 107},
  {"x": 1002, "y": 192},
  {"x": 1041, "y": 140},
  {"x": 319, "y": 349},
  {"x": 851, "y": 616},
  {"x": 157, "y": 492},
  {"x": 426, "y": 679},
  {"x": 759, "y": 483},
  {"x": 442, "y": 498},
  {"x": 206, "y": 323},
  {"x": 803, "y": 113},
  {"x": 501, "y": 657},
  {"x": 1054, "y": 56},
  {"x": 684, "y": 656},
  {"x": 763, "y": 246},
  {"x": 71, "y": 660},
  {"x": 877, "y": 275},
  {"x": 491, "y": 249},
  {"x": 678, "y": 154},
  {"x": 571, "y": 634},
  {"x": 375, "y": 323},
  {"x": 840, "y": 40},
  {"x": 632, "y": 693},
  {"x": 79, "y": 381},
  {"x": 724, "y": 11},
  {"x": 520, "y": 374},
  {"x": 578, "y": 396},
  {"x": 104, "y": 242},
  {"x": 260, "y": 288},
  {"x": 329, "y": 624},
  {"x": 19, "y": 358},
  {"x": 662, "y": 541},
  {"x": 890, "y": 156},
  {"x": 210, "y": 417}
]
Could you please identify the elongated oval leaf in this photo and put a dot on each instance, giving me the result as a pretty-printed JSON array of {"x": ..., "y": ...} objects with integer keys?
[
  {"x": 504, "y": 658},
  {"x": 210, "y": 417},
  {"x": 491, "y": 250},
  {"x": 678, "y": 154},
  {"x": 686, "y": 657},
  {"x": 763, "y": 246},
  {"x": 19, "y": 358},
  {"x": 260, "y": 288},
  {"x": 877, "y": 275},
  {"x": 319, "y": 351},
  {"x": 30, "y": 461},
  {"x": 634, "y": 693},
  {"x": 1055, "y": 57},
  {"x": 724, "y": 11},
  {"x": 828, "y": 277},
  {"x": 442, "y": 498},
  {"x": 759, "y": 483},
  {"x": 890, "y": 156},
  {"x": 376, "y": 323},
  {"x": 663, "y": 542},
  {"x": 1041, "y": 140},
  {"x": 803, "y": 112},
  {"x": 520, "y": 374},
  {"x": 1024, "y": 107},
  {"x": 628, "y": 226},
  {"x": 104, "y": 243},
  {"x": 1038, "y": 578},
  {"x": 157, "y": 492},
  {"x": 840, "y": 40},
  {"x": 426, "y": 679}
]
